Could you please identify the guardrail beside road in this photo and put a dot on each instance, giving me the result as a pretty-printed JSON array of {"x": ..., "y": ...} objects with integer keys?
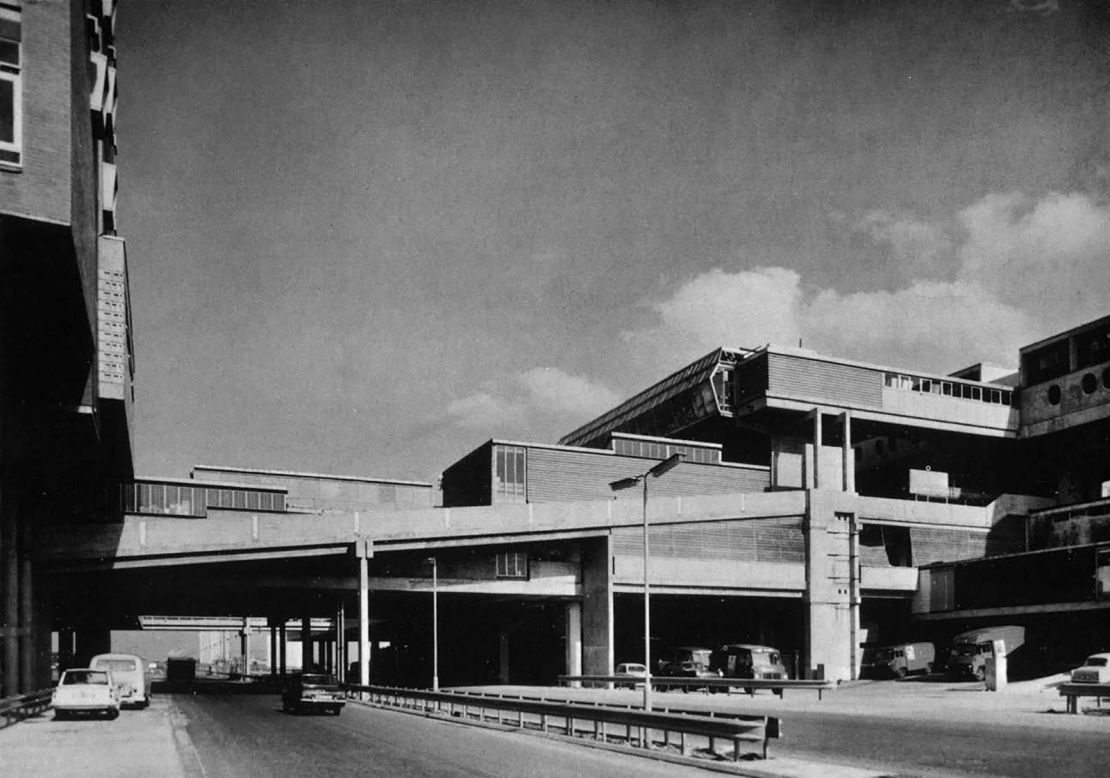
[
  {"x": 749, "y": 685},
  {"x": 568, "y": 716},
  {"x": 22, "y": 706},
  {"x": 1073, "y": 691}
]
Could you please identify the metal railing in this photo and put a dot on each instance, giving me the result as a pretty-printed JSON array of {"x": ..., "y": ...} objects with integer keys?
[
  {"x": 564, "y": 716},
  {"x": 749, "y": 685},
  {"x": 1073, "y": 691},
  {"x": 22, "y": 706}
]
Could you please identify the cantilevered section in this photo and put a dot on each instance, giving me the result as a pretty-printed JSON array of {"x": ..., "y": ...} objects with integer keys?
[{"x": 699, "y": 390}]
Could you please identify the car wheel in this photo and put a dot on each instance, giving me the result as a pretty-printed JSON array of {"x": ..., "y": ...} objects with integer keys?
[
  {"x": 928, "y": 668},
  {"x": 749, "y": 690},
  {"x": 902, "y": 672},
  {"x": 980, "y": 674}
]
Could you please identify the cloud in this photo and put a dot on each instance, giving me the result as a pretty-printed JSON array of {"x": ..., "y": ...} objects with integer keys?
[
  {"x": 1025, "y": 269},
  {"x": 1049, "y": 257},
  {"x": 539, "y": 397},
  {"x": 560, "y": 393},
  {"x": 910, "y": 241}
]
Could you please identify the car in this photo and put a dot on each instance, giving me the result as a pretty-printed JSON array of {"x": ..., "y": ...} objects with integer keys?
[
  {"x": 313, "y": 691},
  {"x": 130, "y": 674},
  {"x": 85, "y": 690},
  {"x": 1096, "y": 669},
  {"x": 632, "y": 670}
]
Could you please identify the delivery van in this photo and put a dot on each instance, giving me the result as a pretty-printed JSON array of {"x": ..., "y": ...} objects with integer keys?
[
  {"x": 129, "y": 673},
  {"x": 903, "y": 659},
  {"x": 968, "y": 658}
]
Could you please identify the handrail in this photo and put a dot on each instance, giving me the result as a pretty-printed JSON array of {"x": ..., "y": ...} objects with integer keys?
[
  {"x": 1073, "y": 691},
  {"x": 777, "y": 685},
  {"x": 734, "y": 729},
  {"x": 22, "y": 706}
]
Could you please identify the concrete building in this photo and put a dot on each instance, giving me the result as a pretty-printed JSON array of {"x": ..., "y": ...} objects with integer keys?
[{"x": 65, "y": 328}]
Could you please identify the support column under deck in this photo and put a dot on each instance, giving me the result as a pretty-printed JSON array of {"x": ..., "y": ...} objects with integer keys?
[{"x": 597, "y": 606}]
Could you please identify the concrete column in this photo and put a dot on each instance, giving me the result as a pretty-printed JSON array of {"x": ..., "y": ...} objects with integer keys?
[
  {"x": 829, "y": 585},
  {"x": 273, "y": 647},
  {"x": 362, "y": 550},
  {"x": 503, "y": 656},
  {"x": 574, "y": 638},
  {"x": 26, "y": 615},
  {"x": 283, "y": 641},
  {"x": 245, "y": 646},
  {"x": 817, "y": 448},
  {"x": 341, "y": 642},
  {"x": 306, "y": 643},
  {"x": 849, "y": 458},
  {"x": 9, "y": 583},
  {"x": 597, "y": 606}
]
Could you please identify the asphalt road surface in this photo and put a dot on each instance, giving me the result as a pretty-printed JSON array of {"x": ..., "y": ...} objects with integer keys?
[
  {"x": 246, "y": 735},
  {"x": 937, "y": 747}
]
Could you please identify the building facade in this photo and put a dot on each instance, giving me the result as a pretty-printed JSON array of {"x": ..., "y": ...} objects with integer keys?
[{"x": 66, "y": 361}]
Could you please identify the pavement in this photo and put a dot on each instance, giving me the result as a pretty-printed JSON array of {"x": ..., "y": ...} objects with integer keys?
[{"x": 155, "y": 741}]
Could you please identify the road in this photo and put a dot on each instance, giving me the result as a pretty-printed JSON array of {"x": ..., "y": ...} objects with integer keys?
[
  {"x": 239, "y": 735},
  {"x": 932, "y": 747}
]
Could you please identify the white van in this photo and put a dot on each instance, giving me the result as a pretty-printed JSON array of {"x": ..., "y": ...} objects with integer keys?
[{"x": 129, "y": 673}]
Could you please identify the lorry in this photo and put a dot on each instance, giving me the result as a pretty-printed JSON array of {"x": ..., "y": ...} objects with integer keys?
[
  {"x": 970, "y": 650},
  {"x": 902, "y": 659}
]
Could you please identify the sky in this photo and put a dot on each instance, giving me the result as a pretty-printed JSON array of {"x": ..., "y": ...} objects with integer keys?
[{"x": 365, "y": 237}]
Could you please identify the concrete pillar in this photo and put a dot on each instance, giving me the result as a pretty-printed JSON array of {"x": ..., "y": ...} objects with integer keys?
[
  {"x": 363, "y": 551},
  {"x": 503, "y": 656},
  {"x": 849, "y": 457},
  {"x": 9, "y": 584},
  {"x": 306, "y": 643},
  {"x": 283, "y": 641},
  {"x": 597, "y": 606},
  {"x": 574, "y": 638},
  {"x": 341, "y": 642},
  {"x": 831, "y": 596},
  {"x": 272, "y": 658},
  {"x": 817, "y": 448},
  {"x": 26, "y": 615},
  {"x": 245, "y": 646}
]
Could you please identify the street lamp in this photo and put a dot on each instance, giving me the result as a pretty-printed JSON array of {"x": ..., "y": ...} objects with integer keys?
[
  {"x": 626, "y": 483},
  {"x": 435, "y": 623}
]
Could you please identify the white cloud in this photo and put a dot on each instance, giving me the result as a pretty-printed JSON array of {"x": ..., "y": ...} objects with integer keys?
[
  {"x": 1050, "y": 258},
  {"x": 531, "y": 399},
  {"x": 556, "y": 392},
  {"x": 911, "y": 241},
  {"x": 1026, "y": 269}
]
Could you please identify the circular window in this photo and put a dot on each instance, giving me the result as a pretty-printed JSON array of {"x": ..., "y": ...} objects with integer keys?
[
  {"x": 1106, "y": 378},
  {"x": 1089, "y": 383},
  {"x": 1054, "y": 394}
]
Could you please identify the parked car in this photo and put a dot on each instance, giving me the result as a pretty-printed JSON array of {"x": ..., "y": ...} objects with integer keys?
[
  {"x": 747, "y": 660},
  {"x": 903, "y": 659},
  {"x": 313, "y": 691},
  {"x": 1096, "y": 669},
  {"x": 129, "y": 673},
  {"x": 632, "y": 670},
  {"x": 85, "y": 690}
]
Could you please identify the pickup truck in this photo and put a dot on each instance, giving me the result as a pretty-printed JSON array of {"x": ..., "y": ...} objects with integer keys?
[{"x": 313, "y": 691}]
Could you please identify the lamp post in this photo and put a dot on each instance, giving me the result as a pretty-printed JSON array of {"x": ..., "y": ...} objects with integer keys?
[
  {"x": 626, "y": 483},
  {"x": 435, "y": 623}
]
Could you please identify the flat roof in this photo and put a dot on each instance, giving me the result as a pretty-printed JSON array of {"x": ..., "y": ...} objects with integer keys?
[
  {"x": 211, "y": 484},
  {"x": 317, "y": 476},
  {"x": 1092, "y": 324}
]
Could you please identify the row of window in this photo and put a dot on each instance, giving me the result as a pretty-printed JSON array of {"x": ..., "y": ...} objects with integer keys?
[
  {"x": 181, "y": 500},
  {"x": 986, "y": 394},
  {"x": 657, "y": 450}
]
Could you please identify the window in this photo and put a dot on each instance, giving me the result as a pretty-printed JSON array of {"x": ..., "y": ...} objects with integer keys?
[
  {"x": 509, "y": 476},
  {"x": 11, "y": 89},
  {"x": 512, "y": 564}
]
